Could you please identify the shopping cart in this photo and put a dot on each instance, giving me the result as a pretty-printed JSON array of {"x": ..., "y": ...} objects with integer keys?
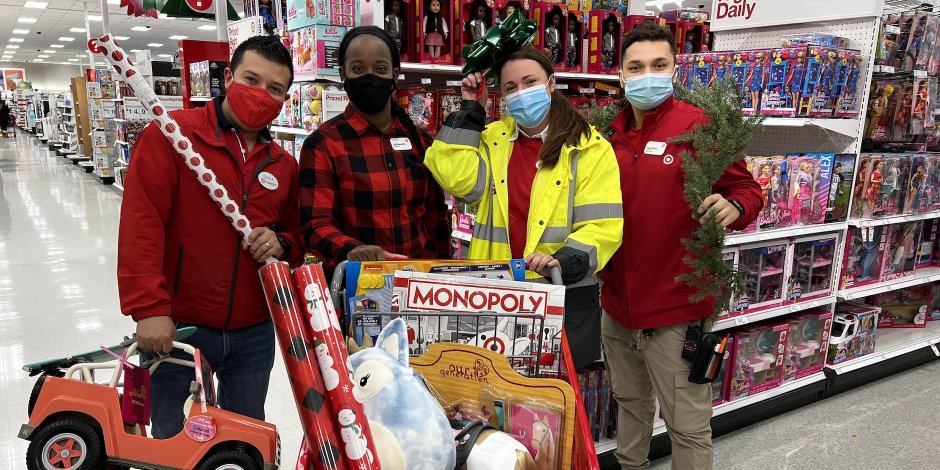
[{"x": 527, "y": 350}]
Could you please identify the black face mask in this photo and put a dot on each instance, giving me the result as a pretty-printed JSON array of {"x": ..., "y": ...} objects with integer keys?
[{"x": 370, "y": 92}]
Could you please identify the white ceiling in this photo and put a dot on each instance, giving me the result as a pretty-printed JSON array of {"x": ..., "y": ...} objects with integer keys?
[{"x": 55, "y": 20}]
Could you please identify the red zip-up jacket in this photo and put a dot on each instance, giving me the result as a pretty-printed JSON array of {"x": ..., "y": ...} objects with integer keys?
[
  {"x": 178, "y": 255},
  {"x": 640, "y": 290}
]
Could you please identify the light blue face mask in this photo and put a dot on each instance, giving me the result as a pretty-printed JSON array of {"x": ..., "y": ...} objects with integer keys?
[
  {"x": 529, "y": 107},
  {"x": 649, "y": 90}
]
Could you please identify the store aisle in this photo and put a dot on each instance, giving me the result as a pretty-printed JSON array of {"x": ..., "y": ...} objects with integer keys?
[{"x": 58, "y": 289}]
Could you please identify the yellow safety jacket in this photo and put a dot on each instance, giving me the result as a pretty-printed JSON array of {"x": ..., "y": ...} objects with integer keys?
[{"x": 576, "y": 204}]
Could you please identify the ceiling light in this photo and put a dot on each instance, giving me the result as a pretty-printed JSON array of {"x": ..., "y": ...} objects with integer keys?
[
  {"x": 137, "y": 50},
  {"x": 26, "y": 20},
  {"x": 140, "y": 28},
  {"x": 164, "y": 55},
  {"x": 77, "y": 30},
  {"x": 207, "y": 27},
  {"x": 56, "y": 46},
  {"x": 73, "y": 60},
  {"x": 17, "y": 39},
  {"x": 20, "y": 31},
  {"x": 35, "y": 5},
  {"x": 121, "y": 38},
  {"x": 4, "y": 60},
  {"x": 114, "y": 2},
  {"x": 164, "y": 16},
  {"x": 94, "y": 17},
  {"x": 66, "y": 39},
  {"x": 12, "y": 46},
  {"x": 178, "y": 37},
  {"x": 38, "y": 60},
  {"x": 49, "y": 51},
  {"x": 155, "y": 44},
  {"x": 44, "y": 56}
]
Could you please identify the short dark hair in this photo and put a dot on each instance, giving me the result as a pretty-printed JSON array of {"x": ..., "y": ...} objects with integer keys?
[
  {"x": 269, "y": 47},
  {"x": 648, "y": 31}
]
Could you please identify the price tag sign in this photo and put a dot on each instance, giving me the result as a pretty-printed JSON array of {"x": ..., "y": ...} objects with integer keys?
[
  {"x": 920, "y": 74},
  {"x": 739, "y": 321},
  {"x": 935, "y": 350},
  {"x": 239, "y": 31},
  {"x": 453, "y": 82},
  {"x": 425, "y": 81},
  {"x": 561, "y": 86}
]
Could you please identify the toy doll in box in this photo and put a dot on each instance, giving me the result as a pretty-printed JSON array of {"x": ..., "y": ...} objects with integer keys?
[
  {"x": 703, "y": 68},
  {"x": 804, "y": 183},
  {"x": 916, "y": 42},
  {"x": 758, "y": 360},
  {"x": 903, "y": 308},
  {"x": 754, "y": 83},
  {"x": 553, "y": 18},
  {"x": 811, "y": 268},
  {"x": 435, "y": 40},
  {"x": 823, "y": 95},
  {"x": 816, "y": 58},
  {"x": 922, "y": 115},
  {"x": 922, "y": 61},
  {"x": 784, "y": 69},
  {"x": 847, "y": 99},
  {"x": 879, "y": 110},
  {"x": 916, "y": 186},
  {"x": 906, "y": 24},
  {"x": 806, "y": 345},
  {"x": 763, "y": 267},
  {"x": 853, "y": 332},
  {"x": 903, "y": 111},
  {"x": 928, "y": 238},
  {"x": 821, "y": 201},
  {"x": 604, "y": 36},
  {"x": 721, "y": 67},
  {"x": 422, "y": 106},
  {"x": 932, "y": 193},
  {"x": 864, "y": 254},
  {"x": 508, "y": 7},
  {"x": 399, "y": 25},
  {"x": 840, "y": 188},
  {"x": 740, "y": 67},
  {"x": 901, "y": 253},
  {"x": 892, "y": 172},
  {"x": 574, "y": 42},
  {"x": 771, "y": 174}
]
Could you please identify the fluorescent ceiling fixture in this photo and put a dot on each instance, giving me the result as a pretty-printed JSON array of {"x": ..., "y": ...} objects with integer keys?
[
  {"x": 56, "y": 46},
  {"x": 114, "y": 2},
  {"x": 121, "y": 38},
  {"x": 73, "y": 60},
  {"x": 164, "y": 16},
  {"x": 94, "y": 17},
  {"x": 36, "y": 4},
  {"x": 12, "y": 46},
  {"x": 137, "y": 50},
  {"x": 38, "y": 60},
  {"x": 17, "y": 39},
  {"x": 44, "y": 56},
  {"x": 207, "y": 27},
  {"x": 77, "y": 30},
  {"x": 66, "y": 39},
  {"x": 164, "y": 55},
  {"x": 26, "y": 20},
  {"x": 20, "y": 31},
  {"x": 49, "y": 51},
  {"x": 140, "y": 28},
  {"x": 155, "y": 44},
  {"x": 178, "y": 37}
]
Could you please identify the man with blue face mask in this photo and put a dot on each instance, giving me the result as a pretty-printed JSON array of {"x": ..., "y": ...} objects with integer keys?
[{"x": 647, "y": 313}]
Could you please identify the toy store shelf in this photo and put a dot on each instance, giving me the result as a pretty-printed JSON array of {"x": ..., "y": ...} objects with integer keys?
[
  {"x": 455, "y": 70},
  {"x": 775, "y": 392},
  {"x": 891, "y": 343},
  {"x": 787, "y": 232},
  {"x": 898, "y": 219},
  {"x": 742, "y": 320},
  {"x": 289, "y": 130},
  {"x": 609, "y": 445},
  {"x": 916, "y": 278},
  {"x": 842, "y": 126},
  {"x": 200, "y": 98}
]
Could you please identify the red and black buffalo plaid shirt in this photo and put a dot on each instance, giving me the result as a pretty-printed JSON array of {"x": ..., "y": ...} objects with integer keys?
[{"x": 355, "y": 189}]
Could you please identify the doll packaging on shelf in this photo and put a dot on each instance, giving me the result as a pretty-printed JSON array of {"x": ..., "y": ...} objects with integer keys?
[
  {"x": 398, "y": 25},
  {"x": 882, "y": 101},
  {"x": 435, "y": 41},
  {"x": 807, "y": 341},
  {"x": 840, "y": 188},
  {"x": 847, "y": 96},
  {"x": 604, "y": 37},
  {"x": 864, "y": 254},
  {"x": 915, "y": 187},
  {"x": 808, "y": 197},
  {"x": 928, "y": 238},
  {"x": 903, "y": 308},
  {"x": 757, "y": 359},
  {"x": 822, "y": 94},
  {"x": 885, "y": 184},
  {"x": 506, "y": 8},
  {"x": 754, "y": 80},
  {"x": 785, "y": 71},
  {"x": 575, "y": 46},
  {"x": 932, "y": 193},
  {"x": 900, "y": 257},
  {"x": 630, "y": 22},
  {"x": 772, "y": 176},
  {"x": 304, "y": 13},
  {"x": 853, "y": 332},
  {"x": 553, "y": 34},
  {"x": 811, "y": 266},
  {"x": 475, "y": 18},
  {"x": 315, "y": 51},
  {"x": 764, "y": 268},
  {"x": 422, "y": 105}
]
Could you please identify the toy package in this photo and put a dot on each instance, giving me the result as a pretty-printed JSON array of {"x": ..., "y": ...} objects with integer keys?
[
  {"x": 758, "y": 360},
  {"x": 900, "y": 125},
  {"x": 853, "y": 332},
  {"x": 764, "y": 275},
  {"x": 903, "y": 308},
  {"x": 933, "y": 312},
  {"x": 901, "y": 253},
  {"x": 884, "y": 98},
  {"x": 915, "y": 186},
  {"x": 771, "y": 174},
  {"x": 887, "y": 40},
  {"x": 604, "y": 36},
  {"x": 811, "y": 268},
  {"x": 400, "y": 26},
  {"x": 848, "y": 99},
  {"x": 922, "y": 119},
  {"x": 754, "y": 82},
  {"x": 730, "y": 257},
  {"x": 630, "y": 22},
  {"x": 928, "y": 238},
  {"x": 450, "y": 100},
  {"x": 553, "y": 33},
  {"x": 703, "y": 68},
  {"x": 915, "y": 43},
  {"x": 930, "y": 41},
  {"x": 886, "y": 183},
  {"x": 840, "y": 188},
  {"x": 823, "y": 93},
  {"x": 315, "y": 51},
  {"x": 537, "y": 427},
  {"x": 784, "y": 72},
  {"x": 574, "y": 42},
  {"x": 304, "y": 13},
  {"x": 422, "y": 106},
  {"x": 906, "y": 25},
  {"x": 932, "y": 193},
  {"x": 685, "y": 14},
  {"x": 505, "y": 8},
  {"x": 806, "y": 345},
  {"x": 720, "y": 385},
  {"x": 694, "y": 36},
  {"x": 816, "y": 39},
  {"x": 864, "y": 254},
  {"x": 805, "y": 188},
  {"x": 435, "y": 42},
  {"x": 683, "y": 73},
  {"x": 311, "y": 105}
]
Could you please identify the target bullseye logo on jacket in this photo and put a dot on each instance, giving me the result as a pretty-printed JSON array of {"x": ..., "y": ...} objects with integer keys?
[{"x": 735, "y": 9}]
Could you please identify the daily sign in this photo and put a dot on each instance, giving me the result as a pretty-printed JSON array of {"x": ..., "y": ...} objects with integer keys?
[
  {"x": 742, "y": 14},
  {"x": 735, "y": 9}
]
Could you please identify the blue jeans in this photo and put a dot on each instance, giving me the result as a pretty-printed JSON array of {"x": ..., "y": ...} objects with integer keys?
[{"x": 241, "y": 359}]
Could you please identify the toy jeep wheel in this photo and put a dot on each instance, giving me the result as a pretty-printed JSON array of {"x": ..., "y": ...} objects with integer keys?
[
  {"x": 229, "y": 460},
  {"x": 65, "y": 444}
]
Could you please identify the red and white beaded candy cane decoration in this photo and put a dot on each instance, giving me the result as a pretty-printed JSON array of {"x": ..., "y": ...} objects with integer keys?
[{"x": 123, "y": 66}]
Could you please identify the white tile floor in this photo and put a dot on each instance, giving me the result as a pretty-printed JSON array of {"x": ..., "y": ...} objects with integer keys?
[{"x": 58, "y": 295}]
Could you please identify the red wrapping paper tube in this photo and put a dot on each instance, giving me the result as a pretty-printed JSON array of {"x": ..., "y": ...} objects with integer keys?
[
  {"x": 333, "y": 358},
  {"x": 293, "y": 336}
]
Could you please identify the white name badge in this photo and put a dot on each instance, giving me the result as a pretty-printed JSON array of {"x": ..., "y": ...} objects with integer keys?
[
  {"x": 401, "y": 143},
  {"x": 655, "y": 148},
  {"x": 267, "y": 180}
]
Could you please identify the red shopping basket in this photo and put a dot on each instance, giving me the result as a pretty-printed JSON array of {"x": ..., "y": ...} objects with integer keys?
[{"x": 584, "y": 455}]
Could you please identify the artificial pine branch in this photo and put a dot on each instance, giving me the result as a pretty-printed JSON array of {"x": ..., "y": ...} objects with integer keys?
[
  {"x": 602, "y": 117},
  {"x": 718, "y": 144}
]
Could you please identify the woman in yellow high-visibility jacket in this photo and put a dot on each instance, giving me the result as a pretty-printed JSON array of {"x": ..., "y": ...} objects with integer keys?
[{"x": 545, "y": 183}]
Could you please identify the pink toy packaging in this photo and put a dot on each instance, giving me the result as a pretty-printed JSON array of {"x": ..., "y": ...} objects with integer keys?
[
  {"x": 806, "y": 345},
  {"x": 785, "y": 71},
  {"x": 900, "y": 257},
  {"x": 764, "y": 273},
  {"x": 604, "y": 36},
  {"x": 933, "y": 312},
  {"x": 848, "y": 99},
  {"x": 886, "y": 184},
  {"x": 853, "y": 332},
  {"x": 719, "y": 386},
  {"x": 757, "y": 360},
  {"x": 399, "y": 25},
  {"x": 755, "y": 80},
  {"x": 435, "y": 40},
  {"x": 553, "y": 32},
  {"x": 821, "y": 201},
  {"x": 730, "y": 256},
  {"x": 928, "y": 239},
  {"x": 864, "y": 254},
  {"x": 804, "y": 189},
  {"x": 822, "y": 93},
  {"x": 771, "y": 174},
  {"x": 914, "y": 188},
  {"x": 811, "y": 265},
  {"x": 903, "y": 308}
]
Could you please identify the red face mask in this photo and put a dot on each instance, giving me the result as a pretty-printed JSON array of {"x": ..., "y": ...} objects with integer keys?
[{"x": 253, "y": 106}]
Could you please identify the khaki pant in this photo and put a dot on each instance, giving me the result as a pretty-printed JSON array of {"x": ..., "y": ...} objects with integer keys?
[{"x": 640, "y": 366}]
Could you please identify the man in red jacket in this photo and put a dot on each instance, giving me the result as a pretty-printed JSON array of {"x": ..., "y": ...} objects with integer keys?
[
  {"x": 180, "y": 262},
  {"x": 647, "y": 312}
]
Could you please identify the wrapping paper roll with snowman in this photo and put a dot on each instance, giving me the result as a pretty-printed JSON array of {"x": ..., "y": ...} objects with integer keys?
[
  {"x": 125, "y": 68},
  {"x": 331, "y": 354}
]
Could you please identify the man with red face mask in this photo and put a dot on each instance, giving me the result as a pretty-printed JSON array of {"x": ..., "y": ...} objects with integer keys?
[{"x": 181, "y": 263}]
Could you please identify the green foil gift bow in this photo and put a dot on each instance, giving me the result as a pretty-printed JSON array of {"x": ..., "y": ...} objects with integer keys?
[{"x": 500, "y": 41}]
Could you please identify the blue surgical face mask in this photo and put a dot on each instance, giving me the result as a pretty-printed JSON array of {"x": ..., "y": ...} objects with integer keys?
[
  {"x": 649, "y": 90},
  {"x": 529, "y": 107}
]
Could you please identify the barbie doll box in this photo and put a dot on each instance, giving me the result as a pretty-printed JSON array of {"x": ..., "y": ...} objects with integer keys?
[
  {"x": 757, "y": 359},
  {"x": 853, "y": 332},
  {"x": 806, "y": 345},
  {"x": 303, "y": 13}
]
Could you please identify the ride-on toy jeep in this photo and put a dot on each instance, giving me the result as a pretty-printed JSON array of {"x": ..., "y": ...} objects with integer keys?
[{"x": 76, "y": 423}]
